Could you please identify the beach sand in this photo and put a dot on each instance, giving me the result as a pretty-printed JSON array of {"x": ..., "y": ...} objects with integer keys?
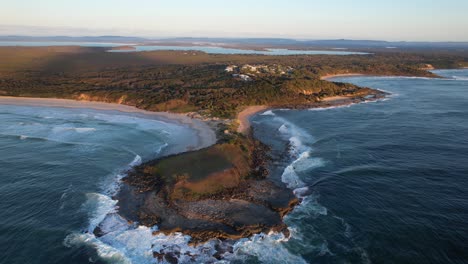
[
  {"x": 206, "y": 135},
  {"x": 244, "y": 115},
  {"x": 329, "y": 76}
]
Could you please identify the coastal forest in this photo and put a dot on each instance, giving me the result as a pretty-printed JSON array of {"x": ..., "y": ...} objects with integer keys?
[{"x": 214, "y": 84}]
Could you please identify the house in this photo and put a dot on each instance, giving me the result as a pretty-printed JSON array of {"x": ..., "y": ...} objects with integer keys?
[
  {"x": 230, "y": 68},
  {"x": 243, "y": 77}
]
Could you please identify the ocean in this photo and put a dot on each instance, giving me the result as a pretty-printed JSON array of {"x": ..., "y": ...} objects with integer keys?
[
  {"x": 58, "y": 169},
  {"x": 381, "y": 182},
  {"x": 385, "y": 181}
]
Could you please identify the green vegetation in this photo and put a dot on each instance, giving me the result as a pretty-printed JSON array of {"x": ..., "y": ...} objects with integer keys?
[
  {"x": 199, "y": 174},
  {"x": 221, "y": 191},
  {"x": 195, "y": 81}
]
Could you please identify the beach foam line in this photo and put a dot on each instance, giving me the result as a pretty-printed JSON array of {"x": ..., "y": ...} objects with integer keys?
[
  {"x": 458, "y": 78},
  {"x": 29, "y": 137},
  {"x": 206, "y": 136},
  {"x": 268, "y": 113},
  {"x": 59, "y": 129}
]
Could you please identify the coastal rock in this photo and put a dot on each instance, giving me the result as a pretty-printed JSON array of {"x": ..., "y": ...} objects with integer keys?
[{"x": 220, "y": 192}]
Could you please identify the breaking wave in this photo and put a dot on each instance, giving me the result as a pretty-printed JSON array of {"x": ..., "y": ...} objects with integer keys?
[
  {"x": 122, "y": 242},
  {"x": 111, "y": 186},
  {"x": 300, "y": 153},
  {"x": 268, "y": 113},
  {"x": 75, "y": 129},
  {"x": 119, "y": 241},
  {"x": 460, "y": 78}
]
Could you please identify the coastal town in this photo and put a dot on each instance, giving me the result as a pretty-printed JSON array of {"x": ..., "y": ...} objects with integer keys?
[{"x": 249, "y": 72}]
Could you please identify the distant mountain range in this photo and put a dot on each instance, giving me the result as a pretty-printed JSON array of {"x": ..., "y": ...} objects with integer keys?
[{"x": 278, "y": 42}]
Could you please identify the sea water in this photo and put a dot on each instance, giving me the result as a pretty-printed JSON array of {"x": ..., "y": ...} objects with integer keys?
[
  {"x": 381, "y": 181},
  {"x": 384, "y": 181},
  {"x": 58, "y": 171}
]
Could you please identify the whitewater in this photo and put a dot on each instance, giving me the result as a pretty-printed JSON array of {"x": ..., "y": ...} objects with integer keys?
[{"x": 373, "y": 178}]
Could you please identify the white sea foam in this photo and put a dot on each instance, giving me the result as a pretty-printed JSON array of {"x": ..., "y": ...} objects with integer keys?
[
  {"x": 136, "y": 161},
  {"x": 267, "y": 248},
  {"x": 301, "y": 155},
  {"x": 268, "y": 113},
  {"x": 84, "y": 129},
  {"x": 283, "y": 129},
  {"x": 99, "y": 206},
  {"x": 111, "y": 186},
  {"x": 459, "y": 78},
  {"x": 291, "y": 179},
  {"x": 330, "y": 107},
  {"x": 104, "y": 251},
  {"x": 130, "y": 243},
  {"x": 75, "y": 129},
  {"x": 304, "y": 163},
  {"x": 143, "y": 123},
  {"x": 397, "y": 77},
  {"x": 136, "y": 244},
  {"x": 301, "y": 192},
  {"x": 160, "y": 148},
  {"x": 113, "y": 223},
  {"x": 310, "y": 208},
  {"x": 126, "y": 243},
  {"x": 353, "y": 104}
]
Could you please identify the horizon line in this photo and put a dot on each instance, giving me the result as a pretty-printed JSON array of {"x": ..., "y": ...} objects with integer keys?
[{"x": 226, "y": 37}]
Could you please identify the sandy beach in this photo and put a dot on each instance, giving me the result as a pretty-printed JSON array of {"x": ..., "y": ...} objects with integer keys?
[
  {"x": 329, "y": 76},
  {"x": 206, "y": 135},
  {"x": 244, "y": 115}
]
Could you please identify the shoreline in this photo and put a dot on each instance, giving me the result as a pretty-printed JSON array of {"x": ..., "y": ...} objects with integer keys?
[
  {"x": 206, "y": 135},
  {"x": 244, "y": 116},
  {"x": 140, "y": 199},
  {"x": 330, "y": 76}
]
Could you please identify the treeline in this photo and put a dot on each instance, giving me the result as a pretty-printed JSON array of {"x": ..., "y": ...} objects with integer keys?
[
  {"x": 175, "y": 81},
  {"x": 178, "y": 88}
]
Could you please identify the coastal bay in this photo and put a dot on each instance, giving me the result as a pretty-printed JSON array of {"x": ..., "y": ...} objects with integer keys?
[
  {"x": 218, "y": 170},
  {"x": 205, "y": 134},
  {"x": 254, "y": 196}
]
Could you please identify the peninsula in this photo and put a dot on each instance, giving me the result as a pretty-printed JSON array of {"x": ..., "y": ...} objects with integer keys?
[{"x": 219, "y": 190}]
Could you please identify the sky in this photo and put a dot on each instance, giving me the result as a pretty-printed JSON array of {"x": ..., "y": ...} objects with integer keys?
[{"x": 409, "y": 20}]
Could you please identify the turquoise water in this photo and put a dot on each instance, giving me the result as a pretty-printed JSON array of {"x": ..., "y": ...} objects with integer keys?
[{"x": 382, "y": 182}]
